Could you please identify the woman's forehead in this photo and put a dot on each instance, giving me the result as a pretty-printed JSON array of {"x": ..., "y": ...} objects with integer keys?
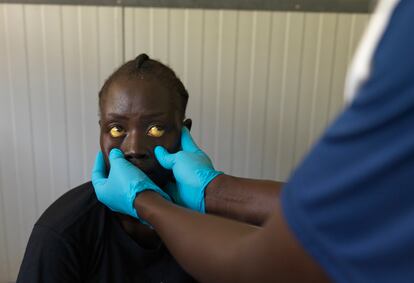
[{"x": 138, "y": 96}]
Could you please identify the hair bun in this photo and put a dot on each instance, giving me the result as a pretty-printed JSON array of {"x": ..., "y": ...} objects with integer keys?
[{"x": 141, "y": 58}]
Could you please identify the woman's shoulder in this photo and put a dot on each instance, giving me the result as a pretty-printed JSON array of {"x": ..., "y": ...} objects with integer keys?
[{"x": 77, "y": 207}]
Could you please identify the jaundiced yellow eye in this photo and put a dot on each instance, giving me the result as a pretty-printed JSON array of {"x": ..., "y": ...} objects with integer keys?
[
  {"x": 116, "y": 132},
  {"x": 155, "y": 131}
]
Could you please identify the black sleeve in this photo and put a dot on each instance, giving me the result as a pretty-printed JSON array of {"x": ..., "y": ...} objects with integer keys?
[{"x": 48, "y": 258}]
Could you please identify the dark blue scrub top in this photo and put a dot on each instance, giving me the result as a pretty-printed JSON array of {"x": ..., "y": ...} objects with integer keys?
[{"x": 351, "y": 202}]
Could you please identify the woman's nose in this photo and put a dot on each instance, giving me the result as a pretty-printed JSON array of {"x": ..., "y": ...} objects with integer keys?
[{"x": 134, "y": 146}]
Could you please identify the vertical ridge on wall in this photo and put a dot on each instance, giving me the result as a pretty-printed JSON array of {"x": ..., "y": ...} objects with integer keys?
[
  {"x": 87, "y": 40},
  {"x": 257, "y": 93},
  {"x": 332, "y": 67},
  {"x": 73, "y": 74},
  {"x": 316, "y": 83},
  {"x": 209, "y": 81},
  {"x": 6, "y": 159},
  {"x": 235, "y": 71},
  {"x": 185, "y": 47},
  {"x": 315, "y": 79},
  {"x": 176, "y": 34},
  {"x": 4, "y": 255},
  {"x": 81, "y": 90},
  {"x": 219, "y": 81},
  {"x": 242, "y": 75},
  {"x": 276, "y": 73},
  {"x": 194, "y": 61},
  {"x": 293, "y": 52},
  {"x": 225, "y": 89},
  {"x": 64, "y": 108},
  {"x": 48, "y": 99},
  {"x": 266, "y": 122},
  {"x": 340, "y": 63},
  {"x": 249, "y": 93}
]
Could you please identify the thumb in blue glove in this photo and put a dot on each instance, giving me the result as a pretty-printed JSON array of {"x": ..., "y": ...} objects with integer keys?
[
  {"x": 192, "y": 169},
  {"x": 119, "y": 189}
]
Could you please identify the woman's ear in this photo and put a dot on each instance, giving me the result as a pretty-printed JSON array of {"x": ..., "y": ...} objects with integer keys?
[{"x": 188, "y": 123}]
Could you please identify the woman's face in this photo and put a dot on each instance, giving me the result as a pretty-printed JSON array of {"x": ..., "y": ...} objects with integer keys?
[{"x": 136, "y": 116}]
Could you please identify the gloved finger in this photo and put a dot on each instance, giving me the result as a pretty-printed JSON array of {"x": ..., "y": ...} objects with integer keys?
[
  {"x": 187, "y": 142},
  {"x": 99, "y": 169},
  {"x": 115, "y": 154},
  {"x": 166, "y": 159}
]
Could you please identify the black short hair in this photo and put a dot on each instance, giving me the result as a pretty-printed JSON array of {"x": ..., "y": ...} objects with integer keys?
[{"x": 141, "y": 66}]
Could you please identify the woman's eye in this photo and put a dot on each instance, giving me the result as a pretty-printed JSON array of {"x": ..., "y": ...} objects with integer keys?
[
  {"x": 155, "y": 131},
  {"x": 116, "y": 132}
]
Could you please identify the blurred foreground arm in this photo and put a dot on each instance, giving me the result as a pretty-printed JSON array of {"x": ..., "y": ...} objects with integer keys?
[{"x": 215, "y": 249}]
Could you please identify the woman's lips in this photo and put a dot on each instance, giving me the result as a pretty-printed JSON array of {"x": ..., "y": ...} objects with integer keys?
[
  {"x": 153, "y": 170},
  {"x": 147, "y": 166}
]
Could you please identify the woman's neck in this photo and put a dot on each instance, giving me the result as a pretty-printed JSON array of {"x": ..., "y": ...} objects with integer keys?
[{"x": 140, "y": 233}]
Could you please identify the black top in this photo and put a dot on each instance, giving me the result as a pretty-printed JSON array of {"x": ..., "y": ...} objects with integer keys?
[{"x": 78, "y": 239}]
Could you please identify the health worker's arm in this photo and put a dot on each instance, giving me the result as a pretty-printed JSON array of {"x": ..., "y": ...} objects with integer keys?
[
  {"x": 215, "y": 249},
  {"x": 247, "y": 200}
]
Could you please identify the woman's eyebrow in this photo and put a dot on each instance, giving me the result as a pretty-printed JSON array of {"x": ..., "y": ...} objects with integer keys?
[
  {"x": 149, "y": 115},
  {"x": 152, "y": 117},
  {"x": 153, "y": 114},
  {"x": 116, "y": 116}
]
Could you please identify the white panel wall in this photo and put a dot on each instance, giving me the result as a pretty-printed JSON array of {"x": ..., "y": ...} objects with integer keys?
[
  {"x": 262, "y": 86},
  {"x": 52, "y": 62}
]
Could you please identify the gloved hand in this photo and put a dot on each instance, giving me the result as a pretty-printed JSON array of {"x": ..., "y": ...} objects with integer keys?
[
  {"x": 192, "y": 169},
  {"x": 119, "y": 189}
]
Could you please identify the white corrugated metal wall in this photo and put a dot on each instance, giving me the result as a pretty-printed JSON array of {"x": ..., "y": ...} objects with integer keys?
[{"x": 262, "y": 87}]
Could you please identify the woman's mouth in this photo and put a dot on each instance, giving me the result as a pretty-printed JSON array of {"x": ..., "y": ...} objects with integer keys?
[
  {"x": 146, "y": 166},
  {"x": 159, "y": 175}
]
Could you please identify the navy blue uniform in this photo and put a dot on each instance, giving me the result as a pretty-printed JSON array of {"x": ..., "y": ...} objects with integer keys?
[{"x": 351, "y": 202}]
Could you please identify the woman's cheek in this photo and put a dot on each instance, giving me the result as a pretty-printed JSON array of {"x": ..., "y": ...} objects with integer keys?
[
  {"x": 107, "y": 144},
  {"x": 172, "y": 142}
]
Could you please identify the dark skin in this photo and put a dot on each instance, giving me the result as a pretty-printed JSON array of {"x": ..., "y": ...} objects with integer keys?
[
  {"x": 242, "y": 199},
  {"x": 216, "y": 249},
  {"x": 130, "y": 108},
  {"x": 132, "y": 105}
]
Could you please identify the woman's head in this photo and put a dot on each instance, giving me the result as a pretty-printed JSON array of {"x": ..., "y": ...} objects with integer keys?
[
  {"x": 142, "y": 105},
  {"x": 142, "y": 67}
]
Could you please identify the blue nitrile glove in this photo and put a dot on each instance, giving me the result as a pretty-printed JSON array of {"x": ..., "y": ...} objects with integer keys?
[
  {"x": 119, "y": 189},
  {"x": 192, "y": 169}
]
